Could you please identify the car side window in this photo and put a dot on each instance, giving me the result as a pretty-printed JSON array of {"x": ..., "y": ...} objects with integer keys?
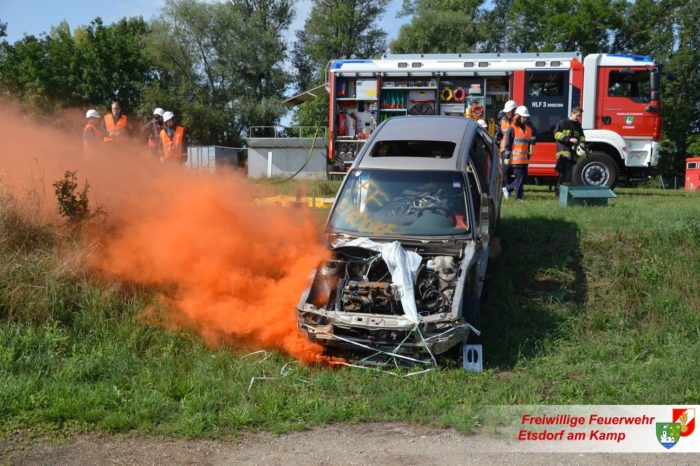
[
  {"x": 490, "y": 155},
  {"x": 475, "y": 189},
  {"x": 480, "y": 160}
]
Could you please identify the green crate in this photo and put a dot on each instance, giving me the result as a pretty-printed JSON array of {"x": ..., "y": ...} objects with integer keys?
[{"x": 584, "y": 195}]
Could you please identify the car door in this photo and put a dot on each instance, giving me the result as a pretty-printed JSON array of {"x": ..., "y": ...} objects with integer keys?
[{"x": 483, "y": 150}]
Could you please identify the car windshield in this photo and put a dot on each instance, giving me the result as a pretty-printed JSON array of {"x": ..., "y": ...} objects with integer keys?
[{"x": 400, "y": 202}]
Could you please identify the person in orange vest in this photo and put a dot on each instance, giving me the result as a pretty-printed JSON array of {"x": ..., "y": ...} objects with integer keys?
[
  {"x": 92, "y": 136},
  {"x": 152, "y": 129},
  {"x": 172, "y": 140},
  {"x": 501, "y": 130},
  {"x": 115, "y": 124},
  {"x": 519, "y": 140}
]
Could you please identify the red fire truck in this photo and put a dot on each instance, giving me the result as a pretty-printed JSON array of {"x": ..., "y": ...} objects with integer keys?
[{"x": 619, "y": 94}]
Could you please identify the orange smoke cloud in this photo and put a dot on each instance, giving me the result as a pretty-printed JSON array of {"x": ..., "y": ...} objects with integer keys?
[
  {"x": 232, "y": 269},
  {"x": 239, "y": 269}
]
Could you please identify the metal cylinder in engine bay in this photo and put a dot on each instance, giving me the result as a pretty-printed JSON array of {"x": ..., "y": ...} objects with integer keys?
[{"x": 326, "y": 282}]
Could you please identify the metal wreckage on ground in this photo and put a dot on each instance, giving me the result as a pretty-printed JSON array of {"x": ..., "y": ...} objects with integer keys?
[{"x": 410, "y": 234}]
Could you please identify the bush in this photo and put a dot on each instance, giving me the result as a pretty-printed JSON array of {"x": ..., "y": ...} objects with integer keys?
[{"x": 74, "y": 204}]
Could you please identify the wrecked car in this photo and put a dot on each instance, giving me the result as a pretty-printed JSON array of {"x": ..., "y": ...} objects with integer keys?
[{"x": 409, "y": 233}]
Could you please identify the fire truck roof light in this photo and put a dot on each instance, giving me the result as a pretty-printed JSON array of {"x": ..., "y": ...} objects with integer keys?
[
  {"x": 643, "y": 58},
  {"x": 540, "y": 63},
  {"x": 339, "y": 63},
  {"x": 469, "y": 64}
]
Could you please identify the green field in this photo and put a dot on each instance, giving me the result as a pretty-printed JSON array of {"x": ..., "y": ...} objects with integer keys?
[{"x": 587, "y": 305}]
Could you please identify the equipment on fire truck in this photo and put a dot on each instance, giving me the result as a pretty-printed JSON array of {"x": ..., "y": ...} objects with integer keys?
[
  {"x": 347, "y": 124},
  {"x": 475, "y": 110},
  {"x": 422, "y": 108},
  {"x": 343, "y": 124},
  {"x": 446, "y": 94}
]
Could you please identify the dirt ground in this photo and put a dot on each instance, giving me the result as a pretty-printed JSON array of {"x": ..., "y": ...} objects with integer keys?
[{"x": 358, "y": 444}]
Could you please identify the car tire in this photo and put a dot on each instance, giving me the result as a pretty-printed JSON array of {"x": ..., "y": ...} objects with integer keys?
[{"x": 597, "y": 169}]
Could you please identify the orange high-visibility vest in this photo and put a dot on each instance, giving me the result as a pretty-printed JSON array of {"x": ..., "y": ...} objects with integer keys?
[
  {"x": 115, "y": 132},
  {"x": 173, "y": 148},
  {"x": 89, "y": 145},
  {"x": 505, "y": 124},
  {"x": 521, "y": 144}
]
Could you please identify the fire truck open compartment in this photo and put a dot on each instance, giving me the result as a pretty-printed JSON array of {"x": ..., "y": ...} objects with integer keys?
[{"x": 363, "y": 102}]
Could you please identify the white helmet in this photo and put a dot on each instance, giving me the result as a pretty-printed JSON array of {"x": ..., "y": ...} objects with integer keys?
[
  {"x": 510, "y": 105},
  {"x": 92, "y": 113},
  {"x": 158, "y": 111},
  {"x": 522, "y": 111},
  {"x": 167, "y": 116},
  {"x": 482, "y": 123}
]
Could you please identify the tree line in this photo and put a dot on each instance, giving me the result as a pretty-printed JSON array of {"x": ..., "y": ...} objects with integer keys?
[{"x": 224, "y": 67}]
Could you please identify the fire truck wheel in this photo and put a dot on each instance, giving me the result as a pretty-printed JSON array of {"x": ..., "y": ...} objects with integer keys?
[{"x": 598, "y": 169}]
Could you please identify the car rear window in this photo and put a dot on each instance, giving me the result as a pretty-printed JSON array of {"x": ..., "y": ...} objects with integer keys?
[{"x": 429, "y": 149}]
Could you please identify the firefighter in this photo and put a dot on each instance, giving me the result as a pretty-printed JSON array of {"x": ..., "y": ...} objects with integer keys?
[
  {"x": 115, "y": 124},
  {"x": 92, "y": 136},
  {"x": 568, "y": 135},
  {"x": 504, "y": 124},
  {"x": 172, "y": 140},
  {"x": 519, "y": 141},
  {"x": 501, "y": 129},
  {"x": 152, "y": 129}
]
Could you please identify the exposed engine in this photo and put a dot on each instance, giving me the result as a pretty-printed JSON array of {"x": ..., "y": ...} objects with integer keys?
[
  {"x": 363, "y": 296},
  {"x": 358, "y": 281}
]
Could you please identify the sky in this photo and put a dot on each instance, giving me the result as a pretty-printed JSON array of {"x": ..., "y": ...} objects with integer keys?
[{"x": 33, "y": 17}]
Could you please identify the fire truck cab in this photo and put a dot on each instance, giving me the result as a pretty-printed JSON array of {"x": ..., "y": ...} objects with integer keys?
[{"x": 619, "y": 94}]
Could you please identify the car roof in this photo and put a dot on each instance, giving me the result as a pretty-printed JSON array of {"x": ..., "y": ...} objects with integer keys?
[{"x": 419, "y": 128}]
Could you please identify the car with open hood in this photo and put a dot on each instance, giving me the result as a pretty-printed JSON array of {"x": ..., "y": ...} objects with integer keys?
[{"x": 409, "y": 233}]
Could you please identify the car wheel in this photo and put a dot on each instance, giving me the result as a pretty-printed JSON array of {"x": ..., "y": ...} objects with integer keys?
[{"x": 598, "y": 169}]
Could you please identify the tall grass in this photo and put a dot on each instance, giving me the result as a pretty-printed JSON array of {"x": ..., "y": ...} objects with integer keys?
[{"x": 587, "y": 305}]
